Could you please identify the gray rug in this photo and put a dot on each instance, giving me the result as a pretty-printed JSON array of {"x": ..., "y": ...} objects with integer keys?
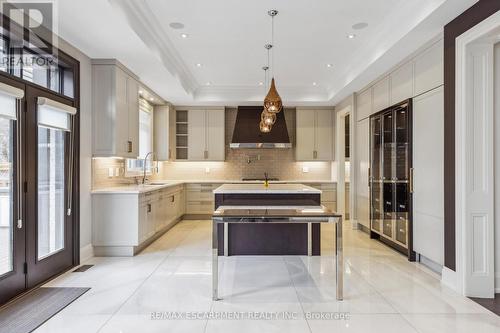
[{"x": 29, "y": 312}]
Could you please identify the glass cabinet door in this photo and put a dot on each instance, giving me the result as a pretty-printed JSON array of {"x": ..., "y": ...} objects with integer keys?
[
  {"x": 377, "y": 208},
  {"x": 388, "y": 145},
  {"x": 402, "y": 143},
  {"x": 389, "y": 211},
  {"x": 401, "y": 213},
  {"x": 376, "y": 148}
]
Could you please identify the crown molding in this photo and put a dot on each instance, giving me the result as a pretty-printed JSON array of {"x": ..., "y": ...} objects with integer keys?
[
  {"x": 256, "y": 94},
  {"x": 144, "y": 23}
]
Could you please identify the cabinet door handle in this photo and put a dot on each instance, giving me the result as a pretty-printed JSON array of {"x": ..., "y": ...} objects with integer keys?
[
  {"x": 205, "y": 154},
  {"x": 169, "y": 153},
  {"x": 315, "y": 154},
  {"x": 129, "y": 146},
  {"x": 149, "y": 208},
  {"x": 411, "y": 180}
]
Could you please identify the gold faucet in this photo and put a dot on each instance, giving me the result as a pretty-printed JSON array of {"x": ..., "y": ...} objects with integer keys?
[{"x": 266, "y": 180}]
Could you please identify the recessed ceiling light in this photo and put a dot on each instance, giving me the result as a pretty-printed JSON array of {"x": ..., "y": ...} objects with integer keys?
[
  {"x": 261, "y": 83},
  {"x": 140, "y": 92},
  {"x": 198, "y": 65},
  {"x": 183, "y": 35},
  {"x": 151, "y": 99},
  {"x": 360, "y": 25},
  {"x": 176, "y": 25},
  {"x": 329, "y": 65},
  {"x": 315, "y": 84},
  {"x": 351, "y": 36},
  {"x": 208, "y": 83}
]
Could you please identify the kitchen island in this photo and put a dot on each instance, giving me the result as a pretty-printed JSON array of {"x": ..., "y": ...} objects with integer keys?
[{"x": 268, "y": 239}]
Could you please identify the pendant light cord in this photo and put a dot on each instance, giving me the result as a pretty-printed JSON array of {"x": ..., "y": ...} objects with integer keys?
[{"x": 272, "y": 43}]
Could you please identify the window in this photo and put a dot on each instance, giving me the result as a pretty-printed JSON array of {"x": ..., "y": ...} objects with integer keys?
[{"x": 135, "y": 167}]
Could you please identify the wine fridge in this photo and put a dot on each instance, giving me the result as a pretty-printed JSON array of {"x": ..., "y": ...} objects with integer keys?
[{"x": 391, "y": 177}]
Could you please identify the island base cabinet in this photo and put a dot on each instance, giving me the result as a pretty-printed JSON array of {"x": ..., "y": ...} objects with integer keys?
[{"x": 125, "y": 232}]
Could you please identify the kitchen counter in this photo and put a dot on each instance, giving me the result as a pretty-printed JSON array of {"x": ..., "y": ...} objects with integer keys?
[
  {"x": 160, "y": 184},
  {"x": 261, "y": 189}
]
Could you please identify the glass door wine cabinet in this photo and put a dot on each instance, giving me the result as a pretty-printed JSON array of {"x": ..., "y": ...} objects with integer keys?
[{"x": 390, "y": 177}]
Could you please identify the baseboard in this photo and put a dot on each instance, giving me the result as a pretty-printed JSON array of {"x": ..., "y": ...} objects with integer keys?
[
  {"x": 430, "y": 264},
  {"x": 363, "y": 228},
  {"x": 86, "y": 252},
  {"x": 449, "y": 278}
]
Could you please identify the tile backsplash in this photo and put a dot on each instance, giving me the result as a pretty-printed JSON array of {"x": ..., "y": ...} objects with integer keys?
[
  {"x": 250, "y": 163},
  {"x": 239, "y": 163}
]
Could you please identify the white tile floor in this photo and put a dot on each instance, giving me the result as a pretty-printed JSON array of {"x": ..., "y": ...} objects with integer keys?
[{"x": 383, "y": 291}]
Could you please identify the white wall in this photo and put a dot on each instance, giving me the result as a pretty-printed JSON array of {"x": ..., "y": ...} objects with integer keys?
[
  {"x": 497, "y": 167},
  {"x": 85, "y": 148}
]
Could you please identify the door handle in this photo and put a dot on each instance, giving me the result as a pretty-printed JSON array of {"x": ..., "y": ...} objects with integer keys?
[
  {"x": 19, "y": 224},
  {"x": 411, "y": 180}
]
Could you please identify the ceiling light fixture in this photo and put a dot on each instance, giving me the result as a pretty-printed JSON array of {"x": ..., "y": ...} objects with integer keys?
[
  {"x": 140, "y": 92},
  {"x": 351, "y": 36},
  {"x": 360, "y": 25},
  {"x": 261, "y": 83},
  {"x": 198, "y": 65},
  {"x": 208, "y": 83},
  {"x": 329, "y": 65},
  {"x": 151, "y": 99},
  {"x": 315, "y": 84},
  {"x": 272, "y": 102},
  {"x": 176, "y": 25},
  {"x": 183, "y": 35}
]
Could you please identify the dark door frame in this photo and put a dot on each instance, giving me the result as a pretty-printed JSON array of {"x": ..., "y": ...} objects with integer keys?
[
  {"x": 74, "y": 66},
  {"x": 13, "y": 282}
]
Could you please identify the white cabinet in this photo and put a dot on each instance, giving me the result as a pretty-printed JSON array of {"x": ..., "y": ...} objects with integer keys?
[
  {"x": 115, "y": 104},
  {"x": 200, "y": 198},
  {"x": 362, "y": 172},
  {"x": 381, "y": 95},
  {"x": 429, "y": 68},
  {"x": 314, "y": 135},
  {"x": 206, "y": 135},
  {"x": 428, "y": 179},
  {"x": 402, "y": 83},
  {"x": 164, "y": 132},
  {"x": 124, "y": 223},
  {"x": 364, "y": 104}
]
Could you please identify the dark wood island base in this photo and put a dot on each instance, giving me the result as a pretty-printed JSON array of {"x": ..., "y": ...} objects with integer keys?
[{"x": 269, "y": 239}]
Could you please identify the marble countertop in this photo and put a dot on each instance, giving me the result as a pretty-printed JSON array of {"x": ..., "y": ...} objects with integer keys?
[
  {"x": 271, "y": 189},
  {"x": 161, "y": 184}
]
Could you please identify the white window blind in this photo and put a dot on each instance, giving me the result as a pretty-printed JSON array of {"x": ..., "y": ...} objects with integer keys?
[
  {"x": 145, "y": 127},
  {"x": 8, "y": 96},
  {"x": 53, "y": 114}
]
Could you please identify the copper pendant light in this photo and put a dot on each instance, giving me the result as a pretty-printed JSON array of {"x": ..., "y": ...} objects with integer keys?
[
  {"x": 264, "y": 128},
  {"x": 272, "y": 102},
  {"x": 268, "y": 118}
]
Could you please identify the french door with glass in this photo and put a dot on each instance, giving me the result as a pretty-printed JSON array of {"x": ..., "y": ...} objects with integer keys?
[
  {"x": 36, "y": 218},
  {"x": 48, "y": 214},
  {"x": 12, "y": 233}
]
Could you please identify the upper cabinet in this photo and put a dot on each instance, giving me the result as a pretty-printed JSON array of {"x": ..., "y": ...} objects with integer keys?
[
  {"x": 314, "y": 135},
  {"x": 115, "y": 104},
  {"x": 200, "y": 135},
  {"x": 164, "y": 132},
  {"x": 429, "y": 69},
  {"x": 381, "y": 95},
  {"x": 402, "y": 83},
  {"x": 416, "y": 76},
  {"x": 364, "y": 103}
]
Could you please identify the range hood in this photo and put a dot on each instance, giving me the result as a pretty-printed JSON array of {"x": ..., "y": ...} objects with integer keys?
[{"x": 248, "y": 135}]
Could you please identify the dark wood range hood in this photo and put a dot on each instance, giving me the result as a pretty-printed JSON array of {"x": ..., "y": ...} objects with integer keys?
[{"x": 248, "y": 135}]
